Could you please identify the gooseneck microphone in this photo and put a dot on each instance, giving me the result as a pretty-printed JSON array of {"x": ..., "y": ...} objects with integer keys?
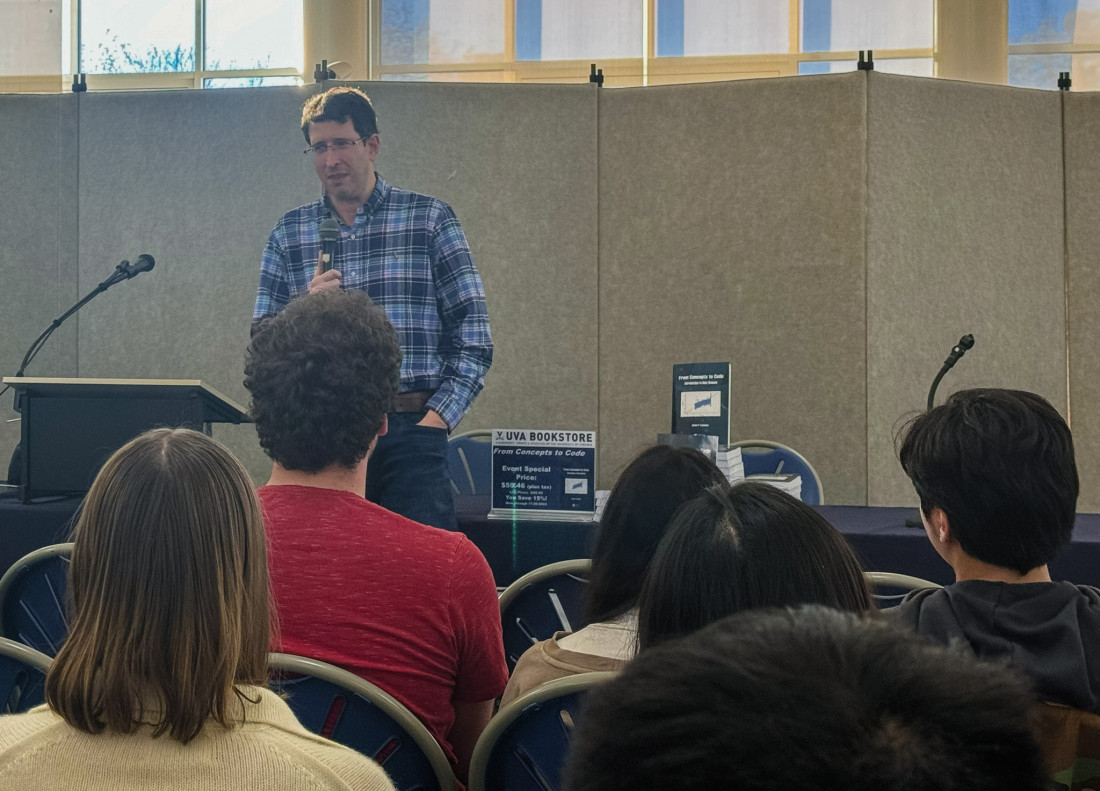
[
  {"x": 965, "y": 344},
  {"x": 330, "y": 235},
  {"x": 124, "y": 271},
  {"x": 143, "y": 263}
]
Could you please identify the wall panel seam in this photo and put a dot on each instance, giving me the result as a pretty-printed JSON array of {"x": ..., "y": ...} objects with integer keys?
[{"x": 1066, "y": 262}]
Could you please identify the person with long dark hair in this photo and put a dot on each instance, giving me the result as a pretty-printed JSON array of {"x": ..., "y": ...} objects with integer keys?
[
  {"x": 639, "y": 507},
  {"x": 744, "y": 546}
]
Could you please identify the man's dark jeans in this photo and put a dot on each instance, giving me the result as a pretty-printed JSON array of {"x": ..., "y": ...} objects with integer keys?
[{"x": 407, "y": 473}]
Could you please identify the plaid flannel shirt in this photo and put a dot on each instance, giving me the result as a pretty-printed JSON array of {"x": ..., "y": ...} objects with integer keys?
[{"x": 408, "y": 252}]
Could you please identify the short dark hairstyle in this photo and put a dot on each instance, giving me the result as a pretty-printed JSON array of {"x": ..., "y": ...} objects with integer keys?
[
  {"x": 807, "y": 698},
  {"x": 339, "y": 105},
  {"x": 322, "y": 375},
  {"x": 739, "y": 547},
  {"x": 638, "y": 509},
  {"x": 1000, "y": 465}
]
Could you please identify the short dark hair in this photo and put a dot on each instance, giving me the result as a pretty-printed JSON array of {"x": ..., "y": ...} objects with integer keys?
[
  {"x": 339, "y": 105},
  {"x": 739, "y": 547},
  {"x": 638, "y": 509},
  {"x": 1000, "y": 465},
  {"x": 806, "y": 698},
  {"x": 322, "y": 375}
]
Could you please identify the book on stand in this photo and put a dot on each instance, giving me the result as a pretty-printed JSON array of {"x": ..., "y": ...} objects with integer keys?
[{"x": 701, "y": 400}]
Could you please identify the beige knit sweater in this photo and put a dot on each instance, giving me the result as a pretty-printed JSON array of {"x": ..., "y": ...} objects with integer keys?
[{"x": 270, "y": 751}]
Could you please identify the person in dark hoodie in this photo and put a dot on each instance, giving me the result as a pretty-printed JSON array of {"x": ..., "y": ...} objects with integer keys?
[{"x": 997, "y": 481}]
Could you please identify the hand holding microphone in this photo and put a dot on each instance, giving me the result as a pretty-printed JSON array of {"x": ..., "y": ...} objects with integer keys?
[{"x": 325, "y": 277}]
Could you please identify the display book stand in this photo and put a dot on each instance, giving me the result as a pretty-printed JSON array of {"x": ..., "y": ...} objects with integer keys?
[{"x": 70, "y": 427}]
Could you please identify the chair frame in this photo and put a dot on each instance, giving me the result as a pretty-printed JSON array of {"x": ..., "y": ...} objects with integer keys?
[
  {"x": 20, "y": 567},
  {"x": 504, "y": 719},
  {"x": 389, "y": 705},
  {"x": 477, "y": 433},
  {"x": 13, "y": 649},
  {"x": 904, "y": 581},
  {"x": 560, "y": 568},
  {"x": 767, "y": 443}
]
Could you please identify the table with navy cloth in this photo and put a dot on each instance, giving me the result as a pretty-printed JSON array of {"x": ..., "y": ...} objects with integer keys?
[{"x": 879, "y": 536}]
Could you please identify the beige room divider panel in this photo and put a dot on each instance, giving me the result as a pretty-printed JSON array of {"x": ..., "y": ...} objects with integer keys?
[
  {"x": 518, "y": 163},
  {"x": 964, "y": 235},
  {"x": 38, "y": 241},
  {"x": 731, "y": 228},
  {"x": 1082, "y": 134},
  {"x": 199, "y": 178}
]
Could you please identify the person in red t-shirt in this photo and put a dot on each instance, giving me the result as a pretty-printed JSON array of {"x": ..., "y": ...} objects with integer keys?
[{"x": 408, "y": 607}]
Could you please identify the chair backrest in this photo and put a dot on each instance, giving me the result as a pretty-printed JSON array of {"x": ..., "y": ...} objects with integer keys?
[
  {"x": 544, "y": 601},
  {"x": 524, "y": 746},
  {"x": 22, "y": 677},
  {"x": 343, "y": 707},
  {"x": 888, "y": 588},
  {"x": 764, "y": 457},
  {"x": 470, "y": 460},
  {"x": 1070, "y": 741},
  {"x": 33, "y": 599}
]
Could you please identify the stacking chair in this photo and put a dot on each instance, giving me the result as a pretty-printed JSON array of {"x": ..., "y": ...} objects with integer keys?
[
  {"x": 469, "y": 461},
  {"x": 33, "y": 608},
  {"x": 22, "y": 677},
  {"x": 339, "y": 705},
  {"x": 764, "y": 457},
  {"x": 524, "y": 746},
  {"x": 540, "y": 603},
  {"x": 889, "y": 588}
]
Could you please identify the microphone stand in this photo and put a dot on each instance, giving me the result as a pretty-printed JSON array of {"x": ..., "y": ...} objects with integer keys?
[
  {"x": 965, "y": 344},
  {"x": 123, "y": 271}
]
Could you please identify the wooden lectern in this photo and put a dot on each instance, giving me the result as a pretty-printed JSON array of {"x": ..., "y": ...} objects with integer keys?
[{"x": 71, "y": 426}]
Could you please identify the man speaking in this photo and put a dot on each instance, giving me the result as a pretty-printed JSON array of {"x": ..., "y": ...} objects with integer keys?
[{"x": 409, "y": 254}]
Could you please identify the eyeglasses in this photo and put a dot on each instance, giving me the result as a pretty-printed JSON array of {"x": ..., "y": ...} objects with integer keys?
[{"x": 337, "y": 145}]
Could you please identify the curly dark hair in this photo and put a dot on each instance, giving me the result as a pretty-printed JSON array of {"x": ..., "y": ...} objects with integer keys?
[{"x": 322, "y": 375}]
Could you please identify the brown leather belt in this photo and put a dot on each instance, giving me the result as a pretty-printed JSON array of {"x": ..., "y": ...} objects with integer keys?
[{"x": 411, "y": 402}]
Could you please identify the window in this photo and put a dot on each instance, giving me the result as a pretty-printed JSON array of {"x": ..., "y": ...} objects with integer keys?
[
  {"x": 1047, "y": 37},
  {"x": 150, "y": 43},
  {"x": 640, "y": 42},
  {"x": 224, "y": 43}
]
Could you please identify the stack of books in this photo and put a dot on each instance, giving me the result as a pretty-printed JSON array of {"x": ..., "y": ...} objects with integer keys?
[
  {"x": 791, "y": 484},
  {"x": 601, "y": 501},
  {"x": 730, "y": 463}
]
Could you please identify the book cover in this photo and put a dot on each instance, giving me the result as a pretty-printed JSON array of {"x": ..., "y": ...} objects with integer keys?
[{"x": 701, "y": 400}]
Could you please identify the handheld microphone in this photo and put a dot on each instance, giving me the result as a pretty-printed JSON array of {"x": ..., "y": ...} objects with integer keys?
[{"x": 330, "y": 235}]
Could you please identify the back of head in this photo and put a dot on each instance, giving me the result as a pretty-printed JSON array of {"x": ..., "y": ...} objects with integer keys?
[
  {"x": 322, "y": 375},
  {"x": 169, "y": 589},
  {"x": 340, "y": 104},
  {"x": 740, "y": 547},
  {"x": 1000, "y": 465},
  {"x": 649, "y": 491},
  {"x": 812, "y": 698}
]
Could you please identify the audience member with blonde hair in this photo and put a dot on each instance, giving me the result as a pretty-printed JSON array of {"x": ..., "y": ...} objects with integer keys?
[{"x": 161, "y": 680}]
